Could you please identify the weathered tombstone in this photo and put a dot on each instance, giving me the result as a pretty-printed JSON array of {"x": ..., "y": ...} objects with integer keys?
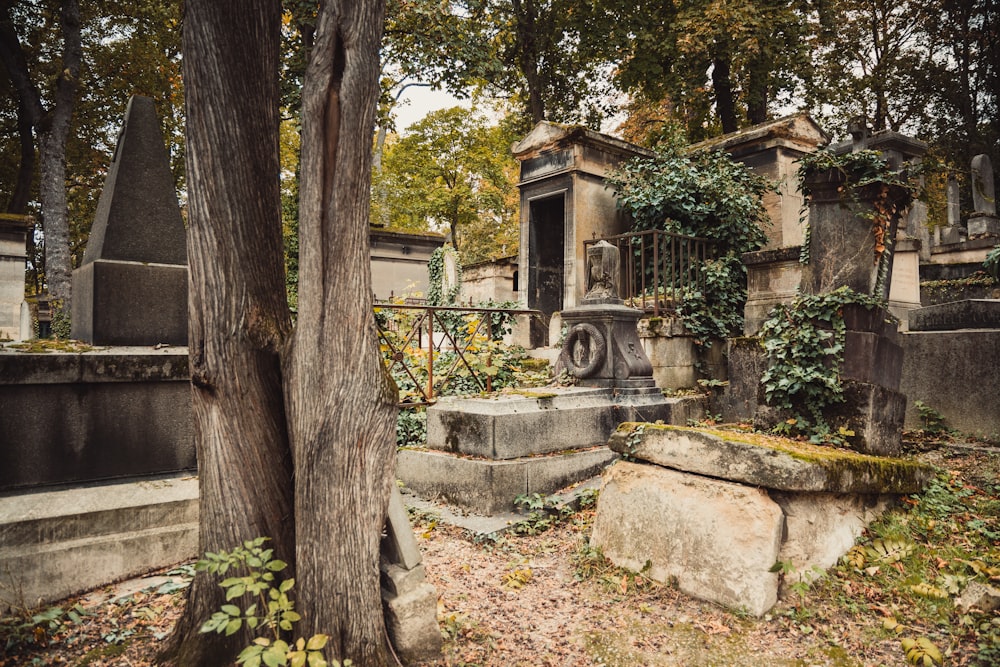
[
  {"x": 953, "y": 232},
  {"x": 13, "y": 234},
  {"x": 132, "y": 286},
  {"x": 984, "y": 220}
]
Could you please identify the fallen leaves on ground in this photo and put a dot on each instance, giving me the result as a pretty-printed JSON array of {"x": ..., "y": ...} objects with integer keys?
[{"x": 513, "y": 601}]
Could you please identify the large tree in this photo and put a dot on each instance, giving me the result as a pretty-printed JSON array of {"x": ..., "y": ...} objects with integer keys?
[
  {"x": 50, "y": 127},
  {"x": 294, "y": 430}
]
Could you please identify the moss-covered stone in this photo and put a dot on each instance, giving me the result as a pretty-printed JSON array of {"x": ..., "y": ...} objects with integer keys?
[{"x": 768, "y": 461}]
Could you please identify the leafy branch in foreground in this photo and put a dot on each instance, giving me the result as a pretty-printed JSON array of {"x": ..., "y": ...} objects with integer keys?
[{"x": 273, "y": 611}]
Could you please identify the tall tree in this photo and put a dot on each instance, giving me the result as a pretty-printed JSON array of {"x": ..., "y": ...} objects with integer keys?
[
  {"x": 238, "y": 317},
  {"x": 722, "y": 64},
  {"x": 452, "y": 170},
  {"x": 343, "y": 430},
  {"x": 51, "y": 128},
  {"x": 313, "y": 471}
]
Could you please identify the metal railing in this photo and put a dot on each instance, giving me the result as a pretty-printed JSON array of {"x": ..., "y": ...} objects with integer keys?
[
  {"x": 658, "y": 267},
  {"x": 427, "y": 347}
]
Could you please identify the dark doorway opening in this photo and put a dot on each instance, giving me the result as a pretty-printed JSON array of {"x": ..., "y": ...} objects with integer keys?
[{"x": 546, "y": 233}]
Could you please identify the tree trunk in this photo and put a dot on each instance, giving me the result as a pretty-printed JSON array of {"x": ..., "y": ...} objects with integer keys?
[
  {"x": 340, "y": 399},
  {"x": 725, "y": 104},
  {"x": 526, "y": 31},
  {"x": 52, "y": 132},
  {"x": 29, "y": 109},
  {"x": 238, "y": 316}
]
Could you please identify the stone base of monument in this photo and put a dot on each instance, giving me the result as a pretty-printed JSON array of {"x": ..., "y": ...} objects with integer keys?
[
  {"x": 984, "y": 225},
  {"x": 873, "y": 408},
  {"x": 130, "y": 303},
  {"x": 715, "y": 511},
  {"x": 484, "y": 452},
  {"x": 56, "y": 543}
]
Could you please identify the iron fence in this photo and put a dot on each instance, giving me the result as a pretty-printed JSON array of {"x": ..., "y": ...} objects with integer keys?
[
  {"x": 427, "y": 348},
  {"x": 658, "y": 267}
]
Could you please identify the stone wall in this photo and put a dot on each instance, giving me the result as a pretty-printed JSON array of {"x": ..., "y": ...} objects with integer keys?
[{"x": 70, "y": 418}]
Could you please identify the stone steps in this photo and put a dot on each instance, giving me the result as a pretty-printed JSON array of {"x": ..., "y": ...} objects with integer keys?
[{"x": 56, "y": 543}]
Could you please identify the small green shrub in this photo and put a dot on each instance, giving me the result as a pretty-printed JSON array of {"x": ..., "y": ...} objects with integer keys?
[{"x": 272, "y": 612}]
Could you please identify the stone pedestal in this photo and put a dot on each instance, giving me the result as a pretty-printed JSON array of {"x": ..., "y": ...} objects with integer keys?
[
  {"x": 841, "y": 241},
  {"x": 130, "y": 303},
  {"x": 773, "y": 277}
]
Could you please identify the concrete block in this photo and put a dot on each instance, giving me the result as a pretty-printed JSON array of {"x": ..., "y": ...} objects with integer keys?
[
  {"x": 822, "y": 527},
  {"x": 488, "y": 487},
  {"x": 71, "y": 418},
  {"x": 769, "y": 462},
  {"x": 717, "y": 539},
  {"x": 876, "y": 416},
  {"x": 59, "y": 543}
]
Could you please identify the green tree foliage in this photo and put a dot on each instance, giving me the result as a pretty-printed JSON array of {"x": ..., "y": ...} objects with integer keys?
[
  {"x": 925, "y": 68},
  {"x": 721, "y": 65},
  {"x": 126, "y": 50},
  {"x": 452, "y": 171}
]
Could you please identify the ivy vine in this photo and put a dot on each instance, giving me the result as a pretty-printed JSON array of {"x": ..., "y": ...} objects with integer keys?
[
  {"x": 705, "y": 194},
  {"x": 804, "y": 344},
  {"x": 436, "y": 294},
  {"x": 862, "y": 171}
]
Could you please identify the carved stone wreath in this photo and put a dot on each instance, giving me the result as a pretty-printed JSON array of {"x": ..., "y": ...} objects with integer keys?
[{"x": 585, "y": 349}]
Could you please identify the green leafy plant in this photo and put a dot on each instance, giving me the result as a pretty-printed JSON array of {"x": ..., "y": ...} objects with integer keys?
[
  {"x": 992, "y": 263},
  {"x": 272, "y": 610},
  {"x": 932, "y": 420},
  {"x": 804, "y": 343},
  {"x": 705, "y": 194},
  {"x": 437, "y": 293}
]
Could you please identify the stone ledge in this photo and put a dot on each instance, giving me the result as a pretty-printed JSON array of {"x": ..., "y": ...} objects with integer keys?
[
  {"x": 488, "y": 487},
  {"x": 118, "y": 364},
  {"x": 768, "y": 461}
]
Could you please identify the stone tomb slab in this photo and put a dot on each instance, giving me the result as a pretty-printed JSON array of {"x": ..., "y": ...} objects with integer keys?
[
  {"x": 716, "y": 510},
  {"x": 769, "y": 462},
  {"x": 965, "y": 314},
  {"x": 538, "y": 422},
  {"x": 487, "y": 486}
]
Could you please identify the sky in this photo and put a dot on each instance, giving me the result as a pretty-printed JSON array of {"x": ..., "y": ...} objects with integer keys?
[{"x": 422, "y": 101}]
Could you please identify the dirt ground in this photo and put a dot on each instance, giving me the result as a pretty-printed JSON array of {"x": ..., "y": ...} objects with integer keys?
[{"x": 539, "y": 600}]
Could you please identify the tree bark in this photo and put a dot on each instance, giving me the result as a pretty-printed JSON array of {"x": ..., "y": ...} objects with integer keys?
[
  {"x": 339, "y": 397},
  {"x": 725, "y": 103},
  {"x": 29, "y": 109},
  {"x": 527, "y": 35},
  {"x": 52, "y": 131},
  {"x": 238, "y": 316}
]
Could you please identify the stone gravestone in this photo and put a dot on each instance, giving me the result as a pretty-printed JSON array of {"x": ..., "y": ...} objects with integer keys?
[
  {"x": 13, "y": 234},
  {"x": 953, "y": 232},
  {"x": 983, "y": 220},
  {"x": 132, "y": 286}
]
